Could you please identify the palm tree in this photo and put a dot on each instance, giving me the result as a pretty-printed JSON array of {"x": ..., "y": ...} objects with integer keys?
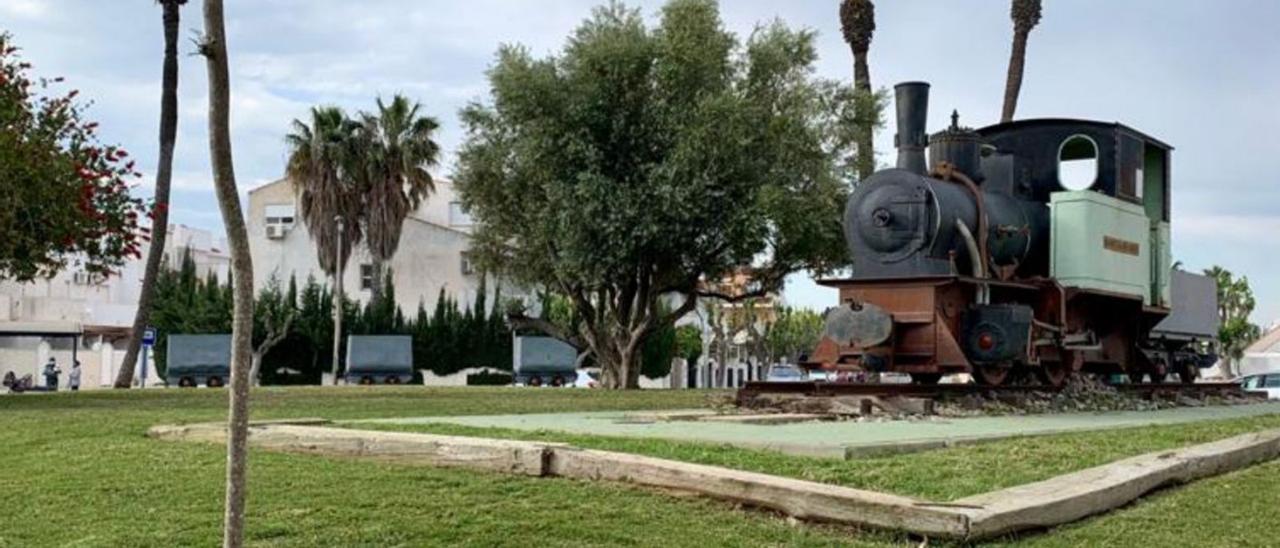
[
  {"x": 1026, "y": 15},
  {"x": 858, "y": 23},
  {"x": 164, "y": 175},
  {"x": 394, "y": 151},
  {"x": 319, "y": 166}
]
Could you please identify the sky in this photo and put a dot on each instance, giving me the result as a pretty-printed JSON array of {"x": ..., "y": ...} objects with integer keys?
[{"x": 1188, "y": 72}]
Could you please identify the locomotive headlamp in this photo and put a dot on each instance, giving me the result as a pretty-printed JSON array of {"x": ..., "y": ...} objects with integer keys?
[{"x": 986, "y": 341}]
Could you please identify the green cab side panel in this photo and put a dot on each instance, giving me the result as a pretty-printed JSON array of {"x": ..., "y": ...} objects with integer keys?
[{"x": 1100, "y": 242}]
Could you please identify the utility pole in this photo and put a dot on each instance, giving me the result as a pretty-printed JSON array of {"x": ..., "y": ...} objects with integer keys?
[{"x": 338, "y": 298}]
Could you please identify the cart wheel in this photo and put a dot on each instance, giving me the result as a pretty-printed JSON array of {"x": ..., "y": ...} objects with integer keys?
[
  {"x": 213, "y": 382},
  {"x": 557, "y": 381},
  {"x": 366, "y": 380},
  {"x": 186, "y": 382},
  {"x": 393, "y": 380},
  {"x": 535, "y": 381},
  {"x": 1188, "y": 373}
]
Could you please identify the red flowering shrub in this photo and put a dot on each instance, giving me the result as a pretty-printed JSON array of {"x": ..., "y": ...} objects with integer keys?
[{"x": 64, "y": 196}]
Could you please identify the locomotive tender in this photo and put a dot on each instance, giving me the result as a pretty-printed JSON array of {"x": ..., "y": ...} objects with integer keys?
[{"x": 1036, "y": 246}]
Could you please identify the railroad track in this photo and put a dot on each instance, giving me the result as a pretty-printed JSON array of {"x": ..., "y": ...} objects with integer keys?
[{"x": 938, "y": 391}]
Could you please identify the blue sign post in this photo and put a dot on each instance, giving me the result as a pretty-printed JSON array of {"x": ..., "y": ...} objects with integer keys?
[{"x": 148, "y": 339}]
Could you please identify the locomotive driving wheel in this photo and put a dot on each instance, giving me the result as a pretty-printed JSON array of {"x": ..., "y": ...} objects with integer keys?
[
  {"x": 991, "y": 374},
  {"x": 1055, "y": 373}
]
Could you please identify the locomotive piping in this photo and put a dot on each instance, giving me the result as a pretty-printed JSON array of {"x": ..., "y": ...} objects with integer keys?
[{"x": 982, "y": 297}]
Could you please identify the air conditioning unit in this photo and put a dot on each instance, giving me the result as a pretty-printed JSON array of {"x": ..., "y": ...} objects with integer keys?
[{"x": 276, "y": 232}]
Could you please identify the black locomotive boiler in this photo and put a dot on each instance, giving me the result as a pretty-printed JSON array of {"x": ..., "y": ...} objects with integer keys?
[{"x": 1030, "y": 247}]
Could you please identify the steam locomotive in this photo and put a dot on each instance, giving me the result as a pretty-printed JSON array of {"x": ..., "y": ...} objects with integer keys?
[{"x": 1036, "y": 247}]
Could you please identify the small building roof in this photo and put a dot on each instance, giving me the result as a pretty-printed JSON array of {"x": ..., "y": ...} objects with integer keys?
[
  {"x": 40, "y": 329},
  {"x": 1268, "y": 342}
]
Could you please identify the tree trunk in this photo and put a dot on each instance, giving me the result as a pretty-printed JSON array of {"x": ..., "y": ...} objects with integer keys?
[
  {"x": 376, "y": 289},
  {"x": 866, "y": 151},
  {"x": 1013, "y": 83},
  {"x": 164, "y": 175},
  {"x": 255, "y": 367},
  {"x": 214, "y": 48},
  {"x": 619, "y": 368}
]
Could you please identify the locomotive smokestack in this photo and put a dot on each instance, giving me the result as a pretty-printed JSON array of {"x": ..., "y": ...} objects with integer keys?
[{"x": 912, "y": 100}]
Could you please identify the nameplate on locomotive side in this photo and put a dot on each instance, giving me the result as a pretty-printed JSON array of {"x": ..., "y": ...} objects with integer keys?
[{"x": 1118, "y": 245}]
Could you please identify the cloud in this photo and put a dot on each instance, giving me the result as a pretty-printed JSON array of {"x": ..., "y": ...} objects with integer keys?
[{"x": 25, "y": 9}]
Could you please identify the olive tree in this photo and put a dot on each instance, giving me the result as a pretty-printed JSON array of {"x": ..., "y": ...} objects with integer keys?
[{"x": 639, "y": 163}]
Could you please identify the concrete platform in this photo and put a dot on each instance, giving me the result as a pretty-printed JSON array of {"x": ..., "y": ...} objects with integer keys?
[{"x": 844, "y": 439}]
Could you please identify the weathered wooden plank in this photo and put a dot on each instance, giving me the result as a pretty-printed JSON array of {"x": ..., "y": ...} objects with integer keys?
[
  {"x": 508, "y": 456},
  {"x": 1069, "y": 497},
  {"x": 801, "y": 499}
]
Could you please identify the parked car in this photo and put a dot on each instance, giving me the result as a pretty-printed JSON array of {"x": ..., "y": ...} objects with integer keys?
[
  {"x": 786, "y": 373},
  {"x": 1268, "y": 384},
  {"x": 586, "y": 379}
]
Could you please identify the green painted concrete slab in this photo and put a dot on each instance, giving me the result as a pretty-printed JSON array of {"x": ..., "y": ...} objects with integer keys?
[{"x": 846, "y": 438}]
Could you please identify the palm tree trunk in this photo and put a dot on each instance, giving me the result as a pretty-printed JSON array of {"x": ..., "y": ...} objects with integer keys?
[
  {"x": 214, "y": 48},
  {"x": 376, "y": 288},
  {"x": 862, "y": 82},
  {"x": 164, "y": 174},
  {"x": 1013, "y": 83}
]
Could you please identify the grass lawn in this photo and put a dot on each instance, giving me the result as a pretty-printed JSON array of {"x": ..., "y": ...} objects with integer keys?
[
  {"x": 75, "y": 470},
  {"x": 935, "y": 475}
]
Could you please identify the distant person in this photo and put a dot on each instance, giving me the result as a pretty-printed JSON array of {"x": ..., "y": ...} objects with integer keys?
[
  {"x": 73, "y": 380},
  {"x": 51, "y": 372}
]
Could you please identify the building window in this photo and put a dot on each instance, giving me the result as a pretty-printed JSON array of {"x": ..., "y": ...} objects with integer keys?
[
  {"x": 458, "y": 215},
  {"x": 468, "y": 264},
  {"x": 279, "y": 219},
  {"x": 366, "y": 277},
  {"x": 280, "y": 214}
]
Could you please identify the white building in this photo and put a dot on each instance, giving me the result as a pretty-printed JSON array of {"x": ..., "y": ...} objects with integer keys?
[
  {"x": 432, "y": 255},
  {"x": 1263, "y": 356},
  {"x": 75, "y": 315}
]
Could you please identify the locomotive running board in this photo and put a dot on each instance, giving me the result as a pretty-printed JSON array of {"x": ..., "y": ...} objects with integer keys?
[{"x": 1055, "y": 501}]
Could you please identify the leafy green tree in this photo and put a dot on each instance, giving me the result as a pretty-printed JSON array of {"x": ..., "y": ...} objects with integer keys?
[
  {"x": 1235, "y": 304},
  {"x": 63, "y": 195},
  {"x": 795, "y": 331},
  {"x": 640, "y": 161},
  {"x": 273, "y": 317},
  {"x": 689, "y": 344}
]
